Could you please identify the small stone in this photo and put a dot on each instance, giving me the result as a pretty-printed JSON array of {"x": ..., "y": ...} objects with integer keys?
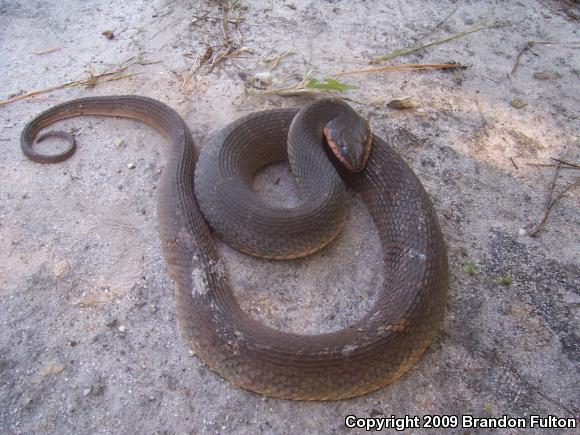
[
  {"x": 75, "y": 170},
  {"x": 151, "y": 398},
  {"x": 131, "y": 165},
  {"x": 86, "y": 392},
  {"x": 402, "y": 103},
  {"x": 61, "y": 269},
  {"x": 547, "y": 75},
  {"x": 53, "y": 369},
  {"x": 108, "y": 34},
  {"x": 111, "y": 323},
  {"x": 122, "y": 329},
  {"x": 376, "y": 412},
  {"x": 522, "y": 232},
  {"x": 119, "y": 143},
  {"x": 243, "y": 75},
  {"x": 191, "y": 352},
  {"x": 264, "y": 77},
  {"x": 72, "y": 343},
  {"x": 260, "y": 80},
  {"x": 518, "y": 103}
]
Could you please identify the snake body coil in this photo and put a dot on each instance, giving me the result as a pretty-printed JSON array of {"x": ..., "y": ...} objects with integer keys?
[{"x": 374, "y": 351}]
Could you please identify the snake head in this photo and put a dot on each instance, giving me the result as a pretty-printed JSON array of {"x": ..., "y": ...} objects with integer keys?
[{"x": 349, "y": 137}]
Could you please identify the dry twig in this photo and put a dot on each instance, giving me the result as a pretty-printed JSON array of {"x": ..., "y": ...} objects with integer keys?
[
  {"x": 551, "y": 200},
  {"x": 199, "y": 62},
  {"x": 205, "y": 17},
  {"x": 552, "y": 165},
  {"x": 90, "y": 81},
  {"x": 275, "y": 61},
  {"x": 231, "y": 47},
  {"x": 514, "y": 163},
  {"x": 573, "y": 165},
  {"x": 52, "y": 50},
  {"x": 412, "y": 66},
  {"x": 530, "y": 44}
]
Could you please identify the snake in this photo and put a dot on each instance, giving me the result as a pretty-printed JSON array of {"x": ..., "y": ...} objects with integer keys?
[{"x": 329, "y": 145}]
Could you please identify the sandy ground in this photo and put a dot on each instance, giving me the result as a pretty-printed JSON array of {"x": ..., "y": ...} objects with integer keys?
[{"x": 90, "y": 342}]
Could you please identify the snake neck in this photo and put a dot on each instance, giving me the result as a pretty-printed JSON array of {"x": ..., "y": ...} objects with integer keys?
[{"x": 307, "y": 152}]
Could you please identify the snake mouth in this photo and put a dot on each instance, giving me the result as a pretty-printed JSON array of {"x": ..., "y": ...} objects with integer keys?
[{"x": 353, "y": 161}]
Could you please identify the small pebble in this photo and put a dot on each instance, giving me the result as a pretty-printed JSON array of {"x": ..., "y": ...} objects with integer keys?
[
  {"x": 108, "y": 34},
  {"x": 518, "y": 103},
  {"x": 265, "y": 77},
  {"x": 547, "y": 75},
  {"x": 522, "y": 232},
  {"x": 86, "y": 392},
  {"x": 120, "y": 142},
  {"x": 402, "y": 103},
  {"x": 260, "y": 80},
  {"x": 61, "y": 269},
  {"x": 53, "y": 369},
  {"x": 75, "y": 170},
  {"x": 131, "y": 165},
  {"x": 122, "y": 329}
]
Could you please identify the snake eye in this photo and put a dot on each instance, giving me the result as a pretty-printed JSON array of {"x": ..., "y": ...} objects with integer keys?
[{"x": 344, "y": 150}]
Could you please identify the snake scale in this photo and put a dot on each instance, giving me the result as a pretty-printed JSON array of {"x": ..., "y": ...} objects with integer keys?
[{"x": 371, "y": 353}]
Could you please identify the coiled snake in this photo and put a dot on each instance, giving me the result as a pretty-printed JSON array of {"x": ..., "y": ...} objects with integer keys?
[{"x": 374, "y": 351}]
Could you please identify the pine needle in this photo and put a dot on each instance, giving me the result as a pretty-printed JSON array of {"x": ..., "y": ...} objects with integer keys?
[
  {"x": 413, "y": 48},
  {"x": 413, "y": 66}
]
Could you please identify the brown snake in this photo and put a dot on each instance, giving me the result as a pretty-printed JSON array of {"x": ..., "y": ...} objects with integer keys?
[{"x": 375, "y": 350}]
